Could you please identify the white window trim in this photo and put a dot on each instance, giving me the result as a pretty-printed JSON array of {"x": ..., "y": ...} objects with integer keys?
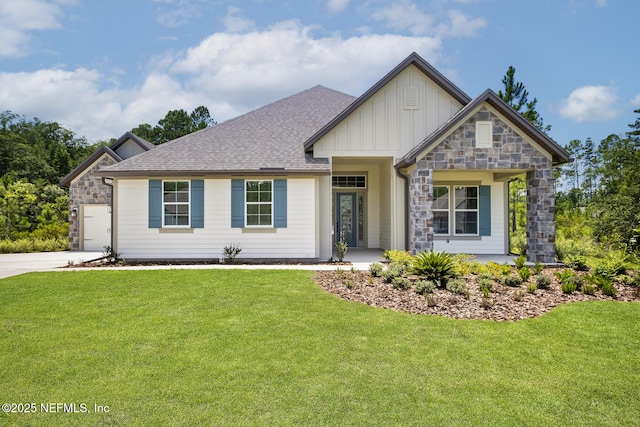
[
  {"x": 347, "y": 176},
  {"x": 176, "y": 203},
  {"x": 476, "y": 210},
  {"x": 246, "y": 203},
  {"x": 448, "y": 210}
]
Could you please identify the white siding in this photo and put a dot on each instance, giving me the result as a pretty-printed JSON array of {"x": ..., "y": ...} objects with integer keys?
[
  {"x": 129, "y": 149},
  {"x": 383, "y": 127},
  {"x": 136, "y": 240}
]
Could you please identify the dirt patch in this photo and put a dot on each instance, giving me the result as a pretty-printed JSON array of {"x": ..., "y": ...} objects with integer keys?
[{"x": 359, "y": 286}]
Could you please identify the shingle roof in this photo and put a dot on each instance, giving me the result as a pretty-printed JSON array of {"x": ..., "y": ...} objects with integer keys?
[
  {"x": 270, "y": 138},
  {"x": 559, "y": 154}
]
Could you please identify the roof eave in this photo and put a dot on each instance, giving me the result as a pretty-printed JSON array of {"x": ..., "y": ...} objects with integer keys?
[
  {"x": 235, "y": 172},
  {"x": 77, "y": 171}
]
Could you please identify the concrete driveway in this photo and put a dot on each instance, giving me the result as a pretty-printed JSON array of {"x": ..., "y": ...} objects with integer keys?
[{"x": 14, "y": 264}]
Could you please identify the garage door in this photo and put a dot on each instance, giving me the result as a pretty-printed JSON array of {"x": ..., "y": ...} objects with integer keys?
[{"x": 96, "y": 227}]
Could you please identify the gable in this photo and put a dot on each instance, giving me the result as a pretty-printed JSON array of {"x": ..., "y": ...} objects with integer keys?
[
  {"x": 393, "y": 120},
  {"x": 129, "y": 148},
  {"x": 507, "y": 148}
]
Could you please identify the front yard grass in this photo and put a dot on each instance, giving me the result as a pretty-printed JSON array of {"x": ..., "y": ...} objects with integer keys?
[{"x": 257, "y": 347}]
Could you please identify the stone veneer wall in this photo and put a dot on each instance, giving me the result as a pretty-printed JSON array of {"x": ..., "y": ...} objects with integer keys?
[
  {"x": 509, "y": 151},
  {"x": 86, "y": 190}
]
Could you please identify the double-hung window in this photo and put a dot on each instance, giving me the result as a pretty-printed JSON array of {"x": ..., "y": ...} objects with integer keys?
[
  {"x": 466, "y": 210},
  {"x": 441, "y": 210},
  {"x": 259, "y": 203},
  {"x": 457, "y": 205},
  {"x": 175, "y": 203}
]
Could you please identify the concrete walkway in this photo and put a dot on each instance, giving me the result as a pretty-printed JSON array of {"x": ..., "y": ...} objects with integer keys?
[{"x": 360, "y": 259}]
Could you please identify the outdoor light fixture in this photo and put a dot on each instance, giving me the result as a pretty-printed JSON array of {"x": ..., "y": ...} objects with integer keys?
[{"x": 74, "y": 212}]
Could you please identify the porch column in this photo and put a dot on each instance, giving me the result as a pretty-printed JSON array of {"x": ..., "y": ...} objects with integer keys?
[
  {"x": 420, "y": 208},
  {"x": 541, "y": 229}
]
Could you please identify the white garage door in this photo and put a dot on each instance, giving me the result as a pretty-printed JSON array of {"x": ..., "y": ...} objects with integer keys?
[{"x": 96, "y": 227}]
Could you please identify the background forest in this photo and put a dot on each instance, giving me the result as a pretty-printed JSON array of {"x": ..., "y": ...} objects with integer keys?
[{"x": 597, "y": 198}]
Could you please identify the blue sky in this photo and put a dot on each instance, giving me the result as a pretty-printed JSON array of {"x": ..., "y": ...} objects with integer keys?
[{"x": 101, "y": 68}]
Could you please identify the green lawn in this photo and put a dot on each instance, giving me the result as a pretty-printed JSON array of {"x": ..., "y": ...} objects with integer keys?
[{"x": 221, "y": 347}]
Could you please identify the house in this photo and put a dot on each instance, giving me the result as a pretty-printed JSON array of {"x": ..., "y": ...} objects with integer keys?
[
  {"x": 414, "y": 163},
  {"x": 90, "y": 194}
]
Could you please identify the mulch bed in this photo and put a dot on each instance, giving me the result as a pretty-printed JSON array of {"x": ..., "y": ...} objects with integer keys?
[{"x": 377, "y": 293}]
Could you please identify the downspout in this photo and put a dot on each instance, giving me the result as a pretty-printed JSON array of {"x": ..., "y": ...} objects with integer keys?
[
  {"x": 406, "y": 206},
  {"x": 109, "y": 183}
]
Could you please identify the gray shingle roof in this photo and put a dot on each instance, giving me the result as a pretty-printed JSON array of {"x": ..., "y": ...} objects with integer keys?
[{"x": 270, "y": 138}]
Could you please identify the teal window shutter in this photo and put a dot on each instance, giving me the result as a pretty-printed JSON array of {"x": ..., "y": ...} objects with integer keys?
[
  {"x": 237, "y": 203},
  {"x": 155, "y": 203},
  {"x": 280, "y": 203},
  {"x": 197, "y": 203},
  {"x": 485, "y": 210}
]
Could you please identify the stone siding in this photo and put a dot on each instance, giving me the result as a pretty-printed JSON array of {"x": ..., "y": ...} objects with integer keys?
[
  {"x": 509, "y": 151},
  {"x": 88, "y": 189}
]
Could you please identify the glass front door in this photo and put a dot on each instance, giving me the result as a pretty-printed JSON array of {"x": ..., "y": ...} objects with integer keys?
[{"x": 346, "y": 225}]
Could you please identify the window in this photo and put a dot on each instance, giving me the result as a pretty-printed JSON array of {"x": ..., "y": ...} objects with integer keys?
[
  {"x": 259, "y": 203},
  {"x": 441, "y": 210},
  {"x": 175, "y": 203},
  {"x": 466, "y": 210},
  {"x": 354, "y": 181}
]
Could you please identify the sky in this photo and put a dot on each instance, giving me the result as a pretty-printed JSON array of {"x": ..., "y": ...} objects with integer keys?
[{"x": 100, "y": 68}]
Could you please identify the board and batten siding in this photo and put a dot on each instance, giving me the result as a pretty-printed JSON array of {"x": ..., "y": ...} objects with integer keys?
[
  {"x": 384, "y": 126},
  {"x": 486, "y": 245},
  {"x": 135, "y": 240}
]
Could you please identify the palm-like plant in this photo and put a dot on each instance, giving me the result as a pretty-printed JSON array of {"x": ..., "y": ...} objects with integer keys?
[{"x": 436, "y": 266}]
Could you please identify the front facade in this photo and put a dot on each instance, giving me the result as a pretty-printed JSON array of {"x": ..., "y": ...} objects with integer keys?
[{"x": 414, "y": 163}]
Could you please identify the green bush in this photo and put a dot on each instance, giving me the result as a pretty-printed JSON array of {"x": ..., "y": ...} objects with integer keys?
[
  {"x": 485, "y": 284},
  {"x": 608, "y": 289},
  {"x": 436, "y": 266},
  {"x": 538, "y": 267},
  {"x": 588, "y": 289},
  {"x": 395, "y": 256},
  {"x": 376, "y": 269},
  {"x": 458, "y": 286},
  {"x": 519, "y": 243},
  {"x": 568, "y": 287},
  {"x": 613, "y": 265},
  {"x": 577, "y": 262},
  {"x": 518, "y": 295},
  {"x": 401, "y": 283},
  {"x": 520, "y": 261},
  {"x": 524, "y": 273},
  {"x": 543, "y": 281},
  {"x": 486, "y": 276},
  {"x": 532, "y": 288},
  {"x": 512, "y": 281},
  {"x": 394, "y": 270},
  {"x": 341, "y": 249},
  {"x": 604, "y": 283},
  {"x": 424, "y": 287}
]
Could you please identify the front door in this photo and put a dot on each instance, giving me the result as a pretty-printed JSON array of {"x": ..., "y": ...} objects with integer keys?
[{"x": 346, "y": 225}]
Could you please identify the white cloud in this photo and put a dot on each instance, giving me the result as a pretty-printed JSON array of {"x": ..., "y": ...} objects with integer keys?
[
  {"x": 234, "y": 22},
  {"x": 601, "y": 3},
  {"x": 251, "y": 69},
  {"x": 635, "y": 102},
  {"x": 336, "y": 6},
  {"x": 590, "y": 103},
  {"x": 19, "y": 18},
  {"x": 462, "y": 26},
  {"x": 405, "y": 15}
]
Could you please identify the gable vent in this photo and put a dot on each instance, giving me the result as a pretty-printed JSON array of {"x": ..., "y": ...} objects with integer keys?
[
  {"x": 484, "y": 134},
  {"x": 411, "y": 98}
]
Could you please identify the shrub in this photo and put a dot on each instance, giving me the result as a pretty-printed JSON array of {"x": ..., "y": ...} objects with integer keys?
[
  {"x": 625, "y": 280},
  {"x": 395, "y": 256},
  {"x": 613, "y": 265},
  {"x": 486, "y": 303},
  {"x": 564, "y": 275},
  {"x": 495, "y": 269},
  {"x": 636, "y": 279},
  {"x": 401, "y": 283},
  {"x": 538, "y": 267},
  {"x": 424, "y": 287},
  {"x": 229, "y": 253},
  {"x": 376, "y": 269},
  {"x": 436, "y": 266},
  {"x": 588, "y": 289},
  {"x": 394, "y": 270},
  {"x": 348, "y": 283},
  {"x": 458, "y": 286},
  {"x": 518, "y": 295},
  {"x": 110, "y": 255},
  {"x": 532, "y": 288},
  {"x": 524, "y": 273},
  {"x": 520, "y": 261},
  {"x": 341, "y": 249},
  {"x": 543, "y": 281},
  {"x": 577, "y": 262},
  {"x": 506, "y": 269},
  {"x": 486, "y": 276},
  {"x": 512, "y": 281},
  {"x": 431, "y": 299},
  {"x": 519, "y": 243},
  {"x": 608, "y": 289},
  {"x": 604, "y": 283},
  {"x": 486, "y": 286},
  {"x": 569, "y": 287}
]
